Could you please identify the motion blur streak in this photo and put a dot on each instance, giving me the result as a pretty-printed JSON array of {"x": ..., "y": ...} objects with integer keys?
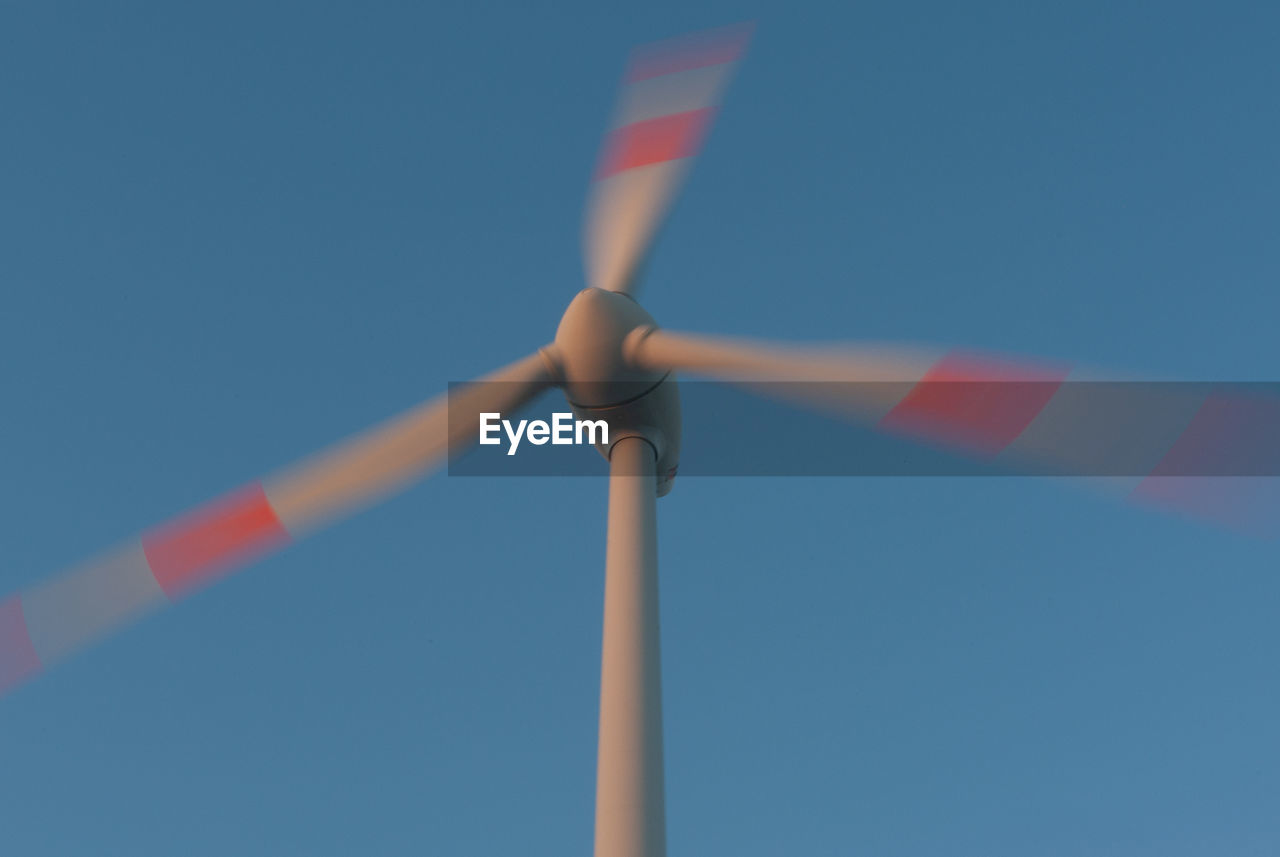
[
  {"x": 1209, "y": 450},
  {"x": 653, "y": 141},
  {"x": 668, "y": 100},
  {"x": 690, "y": 51},
  {"x": 1247, "y": 504},
  {"x": 190, "y": 550},
  {"x": 67, "y": 612},
  {"x": 17, "y": 656},
  {"x": 974, "y": 402},
  {"x": 57, "y": 617},
  {"x": 1230, "y": 435}
]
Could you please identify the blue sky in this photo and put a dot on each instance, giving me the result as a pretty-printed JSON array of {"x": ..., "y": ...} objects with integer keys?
[{"x": 231, "y": 236}]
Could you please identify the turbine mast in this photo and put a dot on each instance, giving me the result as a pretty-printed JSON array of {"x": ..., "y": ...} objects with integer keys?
[{"x": 630, "y": 803}]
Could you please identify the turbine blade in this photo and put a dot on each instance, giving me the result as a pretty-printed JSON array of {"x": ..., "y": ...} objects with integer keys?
[
  {"x": 1209, "y": 450},
  {"x": 668, "y": 101},
  {"x": 48, "y": 621}
]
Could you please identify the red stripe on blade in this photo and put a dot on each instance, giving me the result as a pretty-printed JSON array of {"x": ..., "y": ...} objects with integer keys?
[
  {"x": 975, "y": 403},
  {"x": 1230, "y": 435},
  {"x": 18, "y": 658},
  {"x": 198, "y": 546},
  {"x": 698, "y": 50},
  {"x": 1222, "y": 466},
  {"x": 654, "y": 141}
]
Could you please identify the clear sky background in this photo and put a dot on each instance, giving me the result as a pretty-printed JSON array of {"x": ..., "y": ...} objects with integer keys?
[{"x": 231, "y": 236}]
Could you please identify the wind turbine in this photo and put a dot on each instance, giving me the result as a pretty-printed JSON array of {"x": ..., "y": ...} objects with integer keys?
[{"x": 613, "y": 362}]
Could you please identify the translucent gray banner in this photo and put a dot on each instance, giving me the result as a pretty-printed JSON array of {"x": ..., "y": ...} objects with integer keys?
[{"x": 933, "y": 428}]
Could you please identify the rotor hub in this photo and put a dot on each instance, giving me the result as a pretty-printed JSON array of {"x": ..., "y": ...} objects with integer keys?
[
  {"x": 590, "y": 350},
  {"x": 601, "y": 382}
]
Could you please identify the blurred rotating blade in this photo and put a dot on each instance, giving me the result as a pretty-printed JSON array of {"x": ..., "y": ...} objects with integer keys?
[
  {"x": 668, "y": 101},
  {"x": 48, "y": 621},
  {"x": 1210, "y": 450}
]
